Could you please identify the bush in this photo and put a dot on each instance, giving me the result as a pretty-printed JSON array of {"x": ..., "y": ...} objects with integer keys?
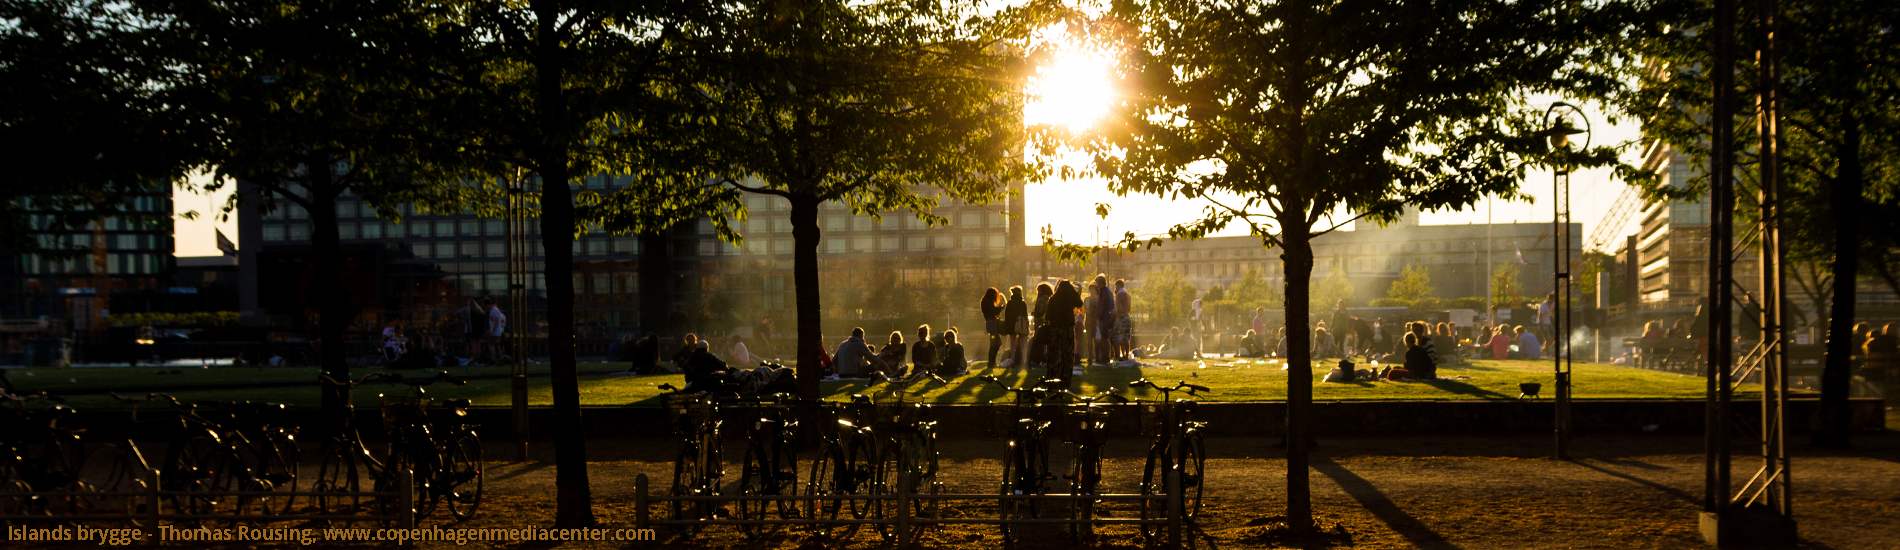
[
  {"x": 164, "y": 319},
  {"x": 1390, "y": 302}
]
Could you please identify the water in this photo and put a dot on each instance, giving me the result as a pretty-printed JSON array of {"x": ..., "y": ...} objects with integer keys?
[{"x": 187, "y": 362}]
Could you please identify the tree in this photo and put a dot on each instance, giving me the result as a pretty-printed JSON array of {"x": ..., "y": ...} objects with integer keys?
[
  {"x": 1335, "y": 287},
  {"x": 306, "y": 125},
  {"x": 1251, "y": 291},
  {"x": 1505, "y": 292},
  {"x": 1595, "y": 262},
  {"x": 91, "y": 115},
  {"x": 1839, "y": 72},
  {"x": 882, "y": 106},
  {"x": 566, "y": 91},
  {"x": 1414, "y": 284},
  {"x": 1166, "y": 296},
  {"x": 1282, "y": 114}
]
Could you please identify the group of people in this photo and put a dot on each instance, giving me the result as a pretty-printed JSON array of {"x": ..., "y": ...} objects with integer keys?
[
  {"x": 482, "y": 327},
  {"x": 1067, "y": 323},
  {"x": 856, "y": 358}
]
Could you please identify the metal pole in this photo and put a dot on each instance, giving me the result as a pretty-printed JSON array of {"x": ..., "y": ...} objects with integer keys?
[
  {"x": 640, "y": 501},
  {"x": 152, "y": 507},
  {"x": 1721, "y": 168},
  {"x": 517, "y": 295},
  {"x": 1560, "y": 311},
  {"x": 1774, "y": 398},
  {"x": 1172, "y": 482},
  {"x": 903, "y": 509},
  {"x": 406, "y": 479}
]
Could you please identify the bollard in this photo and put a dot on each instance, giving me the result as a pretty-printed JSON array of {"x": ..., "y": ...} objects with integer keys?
[
  {"x": 640, "y": 501},
  {"x": 406, "y": 479},
  {"x": 1172, "y": 481},
  {"x": 903, "y": 509},
  {"x": 151, "y": 506}
]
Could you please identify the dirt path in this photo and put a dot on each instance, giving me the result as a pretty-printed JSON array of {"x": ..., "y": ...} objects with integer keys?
[{"x": 1622, "y": 492}]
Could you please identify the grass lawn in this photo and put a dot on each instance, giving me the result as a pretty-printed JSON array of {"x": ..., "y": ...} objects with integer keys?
[{"x": 1231, "y": 380}]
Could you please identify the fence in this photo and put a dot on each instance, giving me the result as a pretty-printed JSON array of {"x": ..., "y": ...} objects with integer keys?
[
  {"x": 402, "y": 515},
  {"x": 904, "y": 520}
]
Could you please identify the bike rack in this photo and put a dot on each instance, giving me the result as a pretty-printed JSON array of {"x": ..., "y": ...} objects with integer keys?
[
  {"x": 903, "y": 520},
  {"x": 155, "y": 498}
]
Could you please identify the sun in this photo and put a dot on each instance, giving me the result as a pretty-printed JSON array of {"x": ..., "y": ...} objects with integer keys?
[{"x": 1073, "y": 89}]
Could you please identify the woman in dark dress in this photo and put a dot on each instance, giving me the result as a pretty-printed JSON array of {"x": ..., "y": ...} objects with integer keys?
[
  {"x": 1062, "y": 308},
  {"x": 993, "y": 320},
  {"x": 1016, "y": 324}
]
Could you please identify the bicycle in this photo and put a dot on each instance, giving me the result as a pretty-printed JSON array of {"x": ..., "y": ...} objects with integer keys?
[
  {"x": 907, "y": 446},
  {"x": 443, "y": 466},
  {"x": 1178, "y": 445},
  {"x": 770, "y": 466},
  {"x": 844, "y": 463},
  {"x": 1086, "y": 428},
  {"x": 440, "y": 468},
  {"x": 40, "y": 455},
  {"x": 697, "y": 468},
  {"x": 1026, "y": 469}
]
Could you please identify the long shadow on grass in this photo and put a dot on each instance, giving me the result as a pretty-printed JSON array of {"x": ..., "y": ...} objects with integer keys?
[
  {"x": 1462, "y": 388},
  {"x": 1381, "y": 507}
]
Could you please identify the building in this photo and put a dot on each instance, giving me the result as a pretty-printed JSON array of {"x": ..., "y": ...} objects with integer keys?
[
  {"x": 125, "y": 266},
  {"x": 1372, "y": 257},
  {"x": 420, "y": 270}
]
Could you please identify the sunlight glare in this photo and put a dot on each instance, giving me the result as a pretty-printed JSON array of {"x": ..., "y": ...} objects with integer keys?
[{"x": 1073, "y": 89}]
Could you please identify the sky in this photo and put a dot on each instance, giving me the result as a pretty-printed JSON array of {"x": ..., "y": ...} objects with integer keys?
[{"x": 1074, "y": 90}]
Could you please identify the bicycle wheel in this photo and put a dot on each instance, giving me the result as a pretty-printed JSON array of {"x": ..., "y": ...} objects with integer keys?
[
  {"x": 111, "y": 469},
  {"x": 426, "y": 458},
  {"x": 785, "y": 478},
  {"x": 16, "y": 500},
  {"x": 1084, "y": 476},
  {"x": 389, "y": 481},
  {"x": 1193, "y": 461},
  {"x": 685, "y": 480},
  {"x": 827, "y": 471},
  {"x": 254, "y": 511},
  {"x": 752, "y": 471},
  {"x": 465, "y": 477},
  {"x": 861, "y": 477},
  {"x": 279, "y": 467},
  {"x": 924, "y": 453},
  {"x": 888, "y": 466},
  {"x": 1154, "y": 504},
  {"x": 1034, "y": 475},
  {"x": 336, "y": 484},
  {"x": 1007, "y": 507}
]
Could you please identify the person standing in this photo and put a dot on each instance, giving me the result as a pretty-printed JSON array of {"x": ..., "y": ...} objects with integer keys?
[
  {"x": 1016, "y": 325},
  {"x": 1104, "y": 320},
  {"x": 1197, "y": 323},
  {"x": 474, "y": 328},
  {"x": 497, "y": 323},
  {"x": 1124, "y": 334},
  {"x": 992, "y": 308},
  {"x": 1547, "y": 315},
  {"x": 1341, "y": 327},
  {"x": 1062, "y": 312}
]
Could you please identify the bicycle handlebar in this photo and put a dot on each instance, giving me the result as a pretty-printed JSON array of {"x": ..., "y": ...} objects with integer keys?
[
  {"x": 24, "y": 397},
  {"x": 1039, "y": 387},
  {"x": 1191, "y": 389},
  {"x": 1105, "y": 394}
]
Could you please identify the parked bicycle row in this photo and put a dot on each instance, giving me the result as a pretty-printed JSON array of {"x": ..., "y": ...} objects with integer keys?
[
  {"x": 869, "y": 443},
  {"x": 236, "y": 459}
]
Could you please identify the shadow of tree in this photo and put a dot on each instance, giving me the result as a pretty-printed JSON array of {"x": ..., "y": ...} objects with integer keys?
[{"x": 1382, "y": 507}]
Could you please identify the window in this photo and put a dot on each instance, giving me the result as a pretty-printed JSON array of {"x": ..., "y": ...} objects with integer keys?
[
  {"x": 497, "y": 282},
  {"x": 372, "y": 230},
  {"x": 470, "y": 249},
  {"x": 942, "y": 242},
  {"x": 972, "y": 242},
  {"x": 418, "y": 229},
  {"x": 445, "y": 228},
  {"x": 834, "y": 245},
  {"x": 782, "y": 225},
  {"x": 861, "y": 223},
  {"x": 627, "y": 245},
  {"x": 781, "y": 246},
  {"x": 834, "y": 223},
  {"x": 295, "y": 212},
  {"x": 495, "y": 249},
  {"x": 346, "y": 230},
  {"x": 445, "y": 250},
  {"x": 996, "y": 241},
  {"x": 300, "y": 232},
  {"x": 916, "y": 242},
  {"x": 889, "y": 244},
  {"x": 704, "y": 227},
  {"x": 708, "y": 248},
  {"x": 596, "y": 247},
  {"x": 860, "y": 244}
]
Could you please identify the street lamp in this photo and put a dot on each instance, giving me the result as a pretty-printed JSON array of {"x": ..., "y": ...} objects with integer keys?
[{"x": 1558, "y": 129}]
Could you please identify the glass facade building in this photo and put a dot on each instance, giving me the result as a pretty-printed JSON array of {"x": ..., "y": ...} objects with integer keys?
[{"x": 122, "y": 263}]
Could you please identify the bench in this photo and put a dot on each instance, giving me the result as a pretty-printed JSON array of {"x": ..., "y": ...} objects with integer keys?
[{"x": 1669, "y": 354}]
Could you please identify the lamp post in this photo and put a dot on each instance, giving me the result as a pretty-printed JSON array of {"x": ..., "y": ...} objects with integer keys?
[{"x": 1558, "y": 129}]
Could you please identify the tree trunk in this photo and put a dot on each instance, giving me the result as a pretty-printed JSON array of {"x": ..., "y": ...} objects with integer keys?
[
  {"x": 572, "y": 496},
  {"x": 1298, "y": 261},
  {"x": 1837, "y": 373},
  {"x": 805, "y": 288},
  {"x": 333, "y": 301},
  {"x": 656, "y": 277}
]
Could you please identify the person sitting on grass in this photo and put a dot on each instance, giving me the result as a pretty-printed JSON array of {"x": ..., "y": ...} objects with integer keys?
[
  {"x": 1527, "y": 346},
  {"x": 1250, "y": 346},
  {"x": 923, "y": 354},
  {"x": 742, "y": 354},
  {"x": 1179, "y": 345},
  {"x": 855, "y": 359},
  {"x": 1501, "y": 342},
  {"x": 1323, "y": 344},
  {"x": 950, "y": 360},
  {"x": 892, "y": 356},
  {"x": 643, "y": 355},
  {"x": 1280, "y": 350},
  {"x": 1418, "y": 359},
  {"x": 685, "y": 352},
  {"x": 704, "y": 371}
]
